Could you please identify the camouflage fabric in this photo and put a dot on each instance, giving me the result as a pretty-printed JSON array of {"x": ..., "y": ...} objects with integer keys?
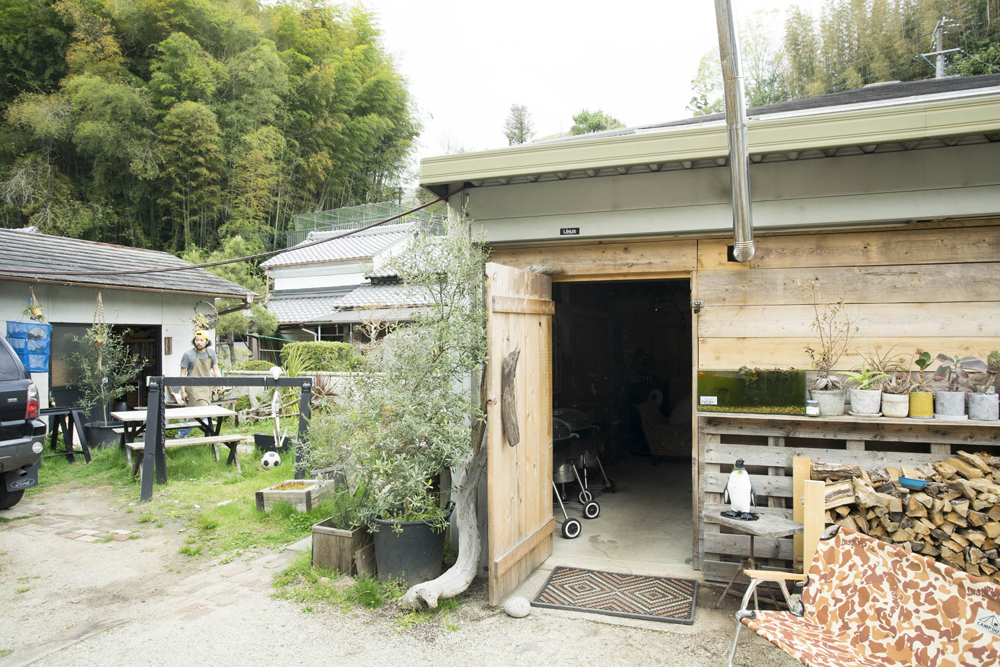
[{"x": 872, "y": 603}]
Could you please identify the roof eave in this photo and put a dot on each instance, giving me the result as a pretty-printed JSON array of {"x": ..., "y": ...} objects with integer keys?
[{"x": 128, "y": 288}]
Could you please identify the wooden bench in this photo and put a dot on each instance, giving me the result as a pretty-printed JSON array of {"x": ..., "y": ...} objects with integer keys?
[
  {"x": 870, "y": 603},
  {"x": 231, "y": 441}
]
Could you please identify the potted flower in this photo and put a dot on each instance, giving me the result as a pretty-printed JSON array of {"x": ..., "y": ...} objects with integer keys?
[
  {"x": 984, "y": 404},
  {"x": 411, "y": 409},
  {"x": 921, "y": 398},
  {"x": 866, "y": 391},
  {"x": 834, "y": 328},
  {"x": 950, "y": 403},
  {"x": 104, "y": 368}
]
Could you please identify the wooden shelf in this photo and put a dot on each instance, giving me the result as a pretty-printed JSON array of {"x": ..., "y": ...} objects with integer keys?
[{"x": 847, "y": 419}]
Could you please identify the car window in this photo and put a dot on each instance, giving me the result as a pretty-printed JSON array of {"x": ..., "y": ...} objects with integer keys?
[{"x": 9, "y": 370}]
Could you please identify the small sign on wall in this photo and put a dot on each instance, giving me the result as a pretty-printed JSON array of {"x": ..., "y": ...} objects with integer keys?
[
  {"x": 709, "y": 400},
  {"x": 569, "y": 231},
  {"x": 168, "y": 345}
]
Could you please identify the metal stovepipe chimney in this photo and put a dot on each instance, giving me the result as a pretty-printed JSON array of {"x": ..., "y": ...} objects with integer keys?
[{"x": 736, "y": 122}]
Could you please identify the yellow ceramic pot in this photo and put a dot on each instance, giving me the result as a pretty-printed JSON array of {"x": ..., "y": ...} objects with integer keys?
[{"x": 922, "y": 404}]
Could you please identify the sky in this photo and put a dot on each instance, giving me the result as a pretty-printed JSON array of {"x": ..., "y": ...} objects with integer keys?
[{"x": 467, "y": 62}]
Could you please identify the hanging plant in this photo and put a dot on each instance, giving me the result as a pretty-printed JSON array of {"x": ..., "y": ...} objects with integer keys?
[{"x": 34, "y": 309}]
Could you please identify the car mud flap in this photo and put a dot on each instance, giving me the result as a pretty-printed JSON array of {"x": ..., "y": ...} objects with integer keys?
[{"x": 23, "y": 478}]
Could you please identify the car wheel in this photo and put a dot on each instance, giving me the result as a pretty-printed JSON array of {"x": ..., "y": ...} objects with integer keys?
[{"x": 8, "y": 498}]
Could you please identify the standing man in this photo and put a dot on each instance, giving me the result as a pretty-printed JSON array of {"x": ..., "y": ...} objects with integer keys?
[{"x": 199, "y": 362}]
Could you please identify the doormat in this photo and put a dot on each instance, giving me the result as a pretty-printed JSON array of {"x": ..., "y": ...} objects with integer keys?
[{"x": 615, "y": 594}]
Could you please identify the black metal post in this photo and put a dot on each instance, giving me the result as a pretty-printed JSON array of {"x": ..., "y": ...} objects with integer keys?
[
  {"x": 305, "y": 412},
  {"x": 154, "y": 452}
]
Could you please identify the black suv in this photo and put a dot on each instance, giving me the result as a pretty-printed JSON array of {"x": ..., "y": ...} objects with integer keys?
[{"x": 22, "y": 433}]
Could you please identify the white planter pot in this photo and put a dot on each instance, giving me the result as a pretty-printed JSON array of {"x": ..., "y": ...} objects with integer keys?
[
  {"x": 984, "y": 407},
  {"x": 896, "y": 406},
  {"x": 949, "y": 404},
  {"x": 830, "y": 401},
  {"x": 866, "y": 401}
]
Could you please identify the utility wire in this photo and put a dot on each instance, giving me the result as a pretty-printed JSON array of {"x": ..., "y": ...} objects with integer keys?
[{"x": 221, "y": 262}]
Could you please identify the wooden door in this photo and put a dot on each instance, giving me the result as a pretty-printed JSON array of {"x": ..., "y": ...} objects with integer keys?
[{"x": 519, "y": 477}]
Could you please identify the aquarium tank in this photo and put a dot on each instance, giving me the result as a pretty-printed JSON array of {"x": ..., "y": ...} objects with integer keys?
[{"x": 777, "y": 391}]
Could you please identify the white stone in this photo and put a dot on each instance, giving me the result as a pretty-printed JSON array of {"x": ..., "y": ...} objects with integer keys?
[{"x": 517, "y": 607}]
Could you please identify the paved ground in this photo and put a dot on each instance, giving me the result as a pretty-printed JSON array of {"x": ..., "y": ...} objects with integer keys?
[{"x": 84, "y": 583}]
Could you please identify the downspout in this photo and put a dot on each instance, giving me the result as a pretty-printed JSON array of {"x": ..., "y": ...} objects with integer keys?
[
  {"x": 736, "y": 122},
  {"x": 311, "y": 333}
]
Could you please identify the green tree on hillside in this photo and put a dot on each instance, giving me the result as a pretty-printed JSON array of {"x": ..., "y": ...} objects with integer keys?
[
  {"x": 517, "y": 127},
  {"x": 586, "y": 122}
]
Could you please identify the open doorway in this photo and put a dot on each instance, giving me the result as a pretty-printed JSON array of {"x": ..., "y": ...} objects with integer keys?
[{"x": 621, "y": 376}]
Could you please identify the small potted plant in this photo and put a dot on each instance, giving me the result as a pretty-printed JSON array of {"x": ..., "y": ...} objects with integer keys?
[
  {"x": 921, "y": 398},
  {"x": 949, "y": 403},
  {"x": 895, "y": 394},
  {"x": 834, "y": 327},
  {"x": 104, "y": 370},
  {"x": 984, "y": 404},
  {"x": 337, "y": 539},
  {"x": 866, "y": 391}
]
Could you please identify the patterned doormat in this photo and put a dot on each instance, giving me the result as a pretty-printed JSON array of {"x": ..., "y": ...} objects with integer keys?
[{"x": 614, "y": 594}]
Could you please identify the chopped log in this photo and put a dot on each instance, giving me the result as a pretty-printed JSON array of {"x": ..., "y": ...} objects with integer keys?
[
  {"x": 974, "y": 460},
  {"x": 992, "y": 529},
  {"x": 948, "y": 527},
  {"x": 911, "y": 472},
  {"x": 939, "y": 535},
  {"x": 984, "y": 486},
  {"x": 830, "y": 517},
  {"x": 835, "y": 471},
  {"x": 990, "y": 543},
  {"x": 921, "y": 529},
  {"x": 980, "y": 504},
  {"x": 839, "y": 493},
  {"x": 963, "y": 487},
  {"x": 915, "y": 508},
  {"x": 860, "y": 521},
  {"x": 876, "y": 530},
  {"x": 973, "y": 569},
  {"x": 843, "y": 510},
  {"x": 964, "y": 469},
  {"x": 937, "y": 518},
  {"x": 992, "y": 553},
  {"x": 902, "y": 536},
  {"x": 994, "y": 513},
  {"x": 926, "y": 469},
  {"x": 888, "y": 488},
  {"x": 977, "y": 519},
  {"x": 922, "y": 498},
  {"x": 930, "y": 550},
  {"x": 918, "y": 545},
  {"x": 904, "y": 545},
  {"x": 893, "y": 474},
  {"x": 880, "y": 511},
  {"x": 987, "y": 568},
  {"x": 848, "y": 522},
  {"x": 865, "y": 495},
  {"x": 959, "y": 539},
  {"x": 938, "y": 505},
  {"x": 950, "y": 495},
  {"x": 961, "y": 507},
  {"x": 974, "y": 536},
  {"x": 889, "y": 525},
  {"x": 944, "y": 469},
  {"x": 892, "y": 502},
  {"x": 878, "y": 476},
  {"x": 955, "y": 518}
]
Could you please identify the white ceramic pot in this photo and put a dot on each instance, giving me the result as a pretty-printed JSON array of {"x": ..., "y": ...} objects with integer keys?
[
  {"x": 949, "y": 404},
  {"x": 866, "y": 401},
  {"x": 830, "y": 401},
  {"x": 984, "y": 407},
  {"x": 895, "y": 405}
]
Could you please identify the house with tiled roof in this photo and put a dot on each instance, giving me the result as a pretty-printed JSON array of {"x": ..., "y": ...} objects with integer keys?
[
  {"x": 154, "y": 295},
  {"x": 329, "y": 284}
]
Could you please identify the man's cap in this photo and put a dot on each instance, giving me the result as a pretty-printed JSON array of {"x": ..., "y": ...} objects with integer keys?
[{"x": 201, "y": 334}]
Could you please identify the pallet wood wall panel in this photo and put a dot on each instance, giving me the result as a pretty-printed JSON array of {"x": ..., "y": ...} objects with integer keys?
[{"x": 605, "y": 260}]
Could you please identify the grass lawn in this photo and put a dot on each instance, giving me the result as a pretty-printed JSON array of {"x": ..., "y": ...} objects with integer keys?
[{"x": 212, "y": 498}]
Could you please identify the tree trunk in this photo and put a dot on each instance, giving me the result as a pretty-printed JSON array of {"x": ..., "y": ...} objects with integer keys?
[
  {"x": 458, "y": 577},
  {"x": 231, "y": 340}
]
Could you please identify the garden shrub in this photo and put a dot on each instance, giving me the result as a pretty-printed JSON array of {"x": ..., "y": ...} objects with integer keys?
[
  {"x": 258, "y": 365},
  {"x": 324, "y": 355}
]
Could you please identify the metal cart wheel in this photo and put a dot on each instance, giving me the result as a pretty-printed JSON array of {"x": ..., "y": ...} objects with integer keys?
[
  {"x": 585, "y": 497},
  {"x": 571, "y": 529},
  {"x": 591, "y": 510}
]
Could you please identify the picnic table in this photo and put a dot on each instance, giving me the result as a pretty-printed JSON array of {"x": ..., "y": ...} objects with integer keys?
[{"x": 209, "y": 419}]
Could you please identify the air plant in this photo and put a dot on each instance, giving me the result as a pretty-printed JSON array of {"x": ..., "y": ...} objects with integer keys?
[{"x": 955, "y": 370}]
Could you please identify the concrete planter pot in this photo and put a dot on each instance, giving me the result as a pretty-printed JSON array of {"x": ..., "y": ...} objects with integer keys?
[
  {"x": 921, "y": 405},
  {"x": 984, "y": 407},
  {"x": 866, "y": 401},
  {"x": 830, "y": 401},
  {"x": 949, "y": 405},
  {"x": 896, "y": 406}
]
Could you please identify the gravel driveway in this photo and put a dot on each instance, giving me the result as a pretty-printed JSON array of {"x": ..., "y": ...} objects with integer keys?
[{"x": 84, "y": 583}]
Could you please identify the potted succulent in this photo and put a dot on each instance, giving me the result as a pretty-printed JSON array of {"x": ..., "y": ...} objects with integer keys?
[
  {"x": 921, "y": 398},
  {"x": 984, "y": 404},
  {"x": 896, "y": 395},
  {"x": 104, "y": 369},
  {"x": 866, "y": 391},
  {"x": 950, "y": 403},
  {"x": 834, "y": 327}
]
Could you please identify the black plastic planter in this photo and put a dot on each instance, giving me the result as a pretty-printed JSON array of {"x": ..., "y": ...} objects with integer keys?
[
  {"x": 413, "y": 553},
  {"x": 100, "y": 435}
]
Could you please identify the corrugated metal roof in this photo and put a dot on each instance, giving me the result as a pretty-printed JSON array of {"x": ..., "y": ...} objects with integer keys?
[
  {"x": 376, "y": 296},
  {"x": 363, "y": 245},
  {"x": 29, "y": 250}
]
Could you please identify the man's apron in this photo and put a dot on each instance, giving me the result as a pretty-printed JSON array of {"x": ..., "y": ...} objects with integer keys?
[{"x": 200, "y": 395}]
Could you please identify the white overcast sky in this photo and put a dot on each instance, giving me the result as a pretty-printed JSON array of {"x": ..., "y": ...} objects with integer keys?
[{"x": 467, "y": 62}]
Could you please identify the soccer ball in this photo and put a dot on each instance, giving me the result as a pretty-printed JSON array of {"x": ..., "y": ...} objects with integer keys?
[{"x": 270, "y": 460}]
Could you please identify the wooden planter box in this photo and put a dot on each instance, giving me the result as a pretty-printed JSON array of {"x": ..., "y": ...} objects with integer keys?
[
  {"x": 302, "y": 500},
  {"x": 347, "y": 551}
]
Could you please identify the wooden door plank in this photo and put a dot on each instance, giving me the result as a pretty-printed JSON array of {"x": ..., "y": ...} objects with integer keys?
[
  {"x": 510, "y": 304},
  {"x": 638, "y": 259}
]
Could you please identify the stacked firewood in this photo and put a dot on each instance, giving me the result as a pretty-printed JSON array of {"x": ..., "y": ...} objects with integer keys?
[{"x": 955, "y": 518}]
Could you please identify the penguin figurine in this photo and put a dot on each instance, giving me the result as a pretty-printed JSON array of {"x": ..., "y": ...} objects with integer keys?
[{"x": 740, "y": 494}]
